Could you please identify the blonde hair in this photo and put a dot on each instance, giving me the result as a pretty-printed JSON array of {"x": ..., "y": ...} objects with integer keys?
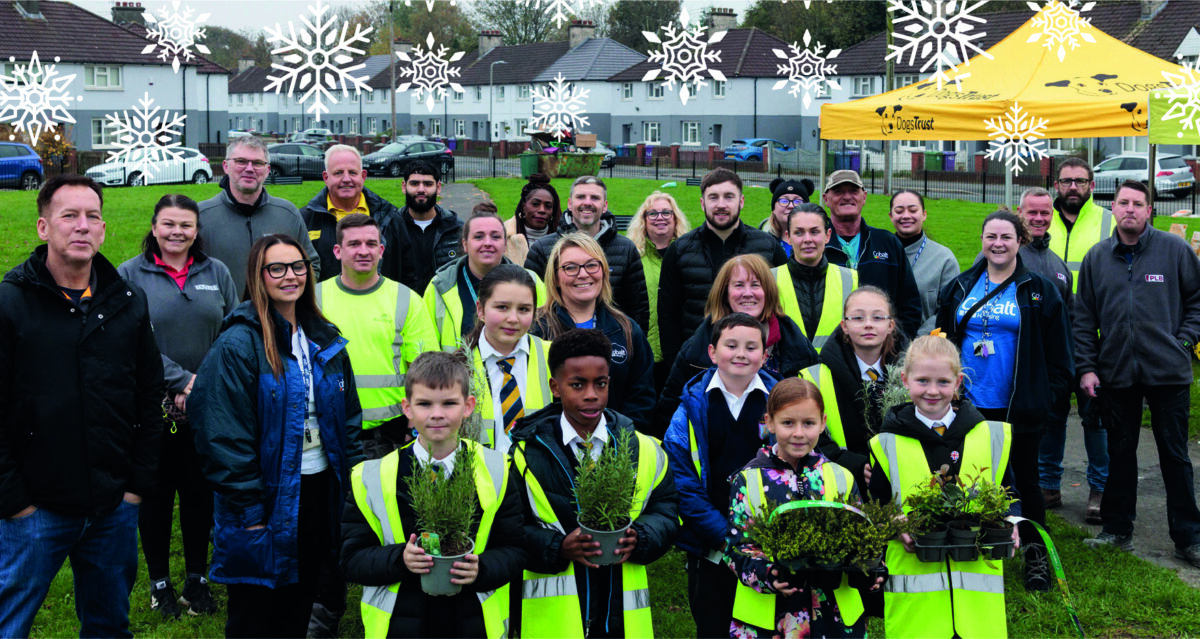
[
  {"x": 637, "y": 226},
  {"x": 933, "y": 347},
  {"x": 718, "y": 296},
  {"x": 554, "y": 298}
]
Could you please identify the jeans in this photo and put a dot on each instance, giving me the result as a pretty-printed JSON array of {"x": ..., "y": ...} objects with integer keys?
[
  {"x": 1054, "y": 443},
  {"x": 1169, "y": 407},
  {"x": 103, "y": 552}
]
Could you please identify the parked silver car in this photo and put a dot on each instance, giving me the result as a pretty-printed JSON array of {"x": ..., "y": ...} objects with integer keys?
[
  {"x": 192, "y": 166},
  {"x": 1171, "y": 174}
]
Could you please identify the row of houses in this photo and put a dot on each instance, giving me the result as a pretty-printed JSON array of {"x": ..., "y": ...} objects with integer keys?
[{"x": 499, "y": 81}]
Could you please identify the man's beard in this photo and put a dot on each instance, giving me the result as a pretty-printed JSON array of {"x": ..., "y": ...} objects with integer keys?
[
  {"x": 734, "y": 218},
  {"x": 419, "y": 207},
  {"x": 1072, "y": 207}
]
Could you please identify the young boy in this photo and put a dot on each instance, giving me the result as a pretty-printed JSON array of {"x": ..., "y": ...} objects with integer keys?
[
  {"x": 717, "y": 430},
  {"x": 380, "y": 530},
  {"x": 565, "y": 594}
]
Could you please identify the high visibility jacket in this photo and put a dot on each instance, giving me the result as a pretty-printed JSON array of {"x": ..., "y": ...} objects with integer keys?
[
  {"x": 445, "y": 304},
  {"x": 374, "y": 485},
  {"x": 822, "y": 377},
  {"x": 386, "y": 328},
  {"x": 1094, "y": 223},
  {"x": 550, "y": 605},
  {"x": 839, "y": 283},
  {"x": 953, "y": 598},
  {"x": 537, "y": 389},
  {"x": 757, "y": 608}
]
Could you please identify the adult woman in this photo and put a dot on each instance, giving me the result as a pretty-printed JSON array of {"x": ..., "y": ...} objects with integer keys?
[
  {"x": 189, "y": 294},
  {"x": 277, "y": 419},
  {"x": 657, "y": 223},
  {"x": 743, "y": 285},
  {"x": 785, "y": 195},
  {"x": 933, "y": 265},
  {"x": 579, "y": 295},
  {"x": 1011, "y": 326},
  {"x": 538, "y": 213},
  {"x": 456, "y": 285}
]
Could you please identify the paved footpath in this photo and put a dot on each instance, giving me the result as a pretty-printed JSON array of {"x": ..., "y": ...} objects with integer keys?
[{"x": 461, "y": 197}]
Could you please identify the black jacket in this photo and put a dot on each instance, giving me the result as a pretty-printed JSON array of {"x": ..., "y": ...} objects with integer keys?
[
  {"x": 540, "y": 437},
  {"x": 689, "y": 268},
  {"x": 883, "y": 263},
  {"x": 322, "y": 231},
  {"x": 809, "y": 284},
  {"x": 1044, "y": 369},
  {"x": 80, "y": 393},
  {"x": 626, "y": 275},
  {"x": 422, "y": 253},
  {"x": 792, "y": 354},
  {"x": 417, "y": 614}
]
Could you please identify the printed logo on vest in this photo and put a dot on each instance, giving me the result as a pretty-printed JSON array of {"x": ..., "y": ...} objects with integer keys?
[
  {"x": 1062, "y": 276},
  {"x": 880, "y": 255},
  {"x": 207, "y": 287},
  {"x": 1154, "y": 278},
  {"x": 619, "y": 354}
]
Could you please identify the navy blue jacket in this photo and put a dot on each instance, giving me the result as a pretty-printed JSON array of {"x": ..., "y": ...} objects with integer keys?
[{"x": 883, "y": 263}]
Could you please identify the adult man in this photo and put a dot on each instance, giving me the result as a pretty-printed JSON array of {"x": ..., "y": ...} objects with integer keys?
[
  {"x": 81, "y": 387},
  {"x": 344, "y": 194},
  {"x": 1137, "y": 317},
  {"x": 428, "y": 234},
  {"x": 876, "y": 254},
  {"x": 243, "y": 211},
  {"x": 813, "y": 291},
  {"x": 587, "y": 212},
  {"x": 691, "y": 263}
]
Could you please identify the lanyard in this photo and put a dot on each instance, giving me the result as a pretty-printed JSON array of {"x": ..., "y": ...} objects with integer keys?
[
  {"x": 920, "y": 249},
  {"x": 305, "y": 363},
  {"x": 849, "y": 249},
  {"x": 470, "y": 286}
]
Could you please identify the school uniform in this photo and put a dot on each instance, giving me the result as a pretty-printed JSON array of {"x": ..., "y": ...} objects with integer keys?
[{"x": 525, "y": 366}]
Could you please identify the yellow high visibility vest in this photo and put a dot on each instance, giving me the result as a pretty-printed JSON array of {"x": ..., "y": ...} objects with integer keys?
[
  {"x": 537, "y": 388},
  {"x": 445, "y": 305},
  {"x": 839, "y": 283},
  {"x": 757, "y": 608},
  {"x": 386, "y": 328},
  {"x": 917, "y": 597},
  {"x": 822, "y": 377},
  {"x": 1094, "y": 223},
  {"x": 550, "y": 605},
  {"x": 374, "y": 485}
]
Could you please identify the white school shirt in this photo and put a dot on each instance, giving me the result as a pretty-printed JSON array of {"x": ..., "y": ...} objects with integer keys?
[
  {"x": 945, "y": 421},
  {"x": 424, "y": 457},
  {"x": 735, "y": 402},
  {"x": 491, "y": 365},
  {"x": 572, "y": 439}
]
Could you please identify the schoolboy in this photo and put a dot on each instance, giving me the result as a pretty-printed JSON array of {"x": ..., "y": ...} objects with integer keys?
[
  {"x": 717, "y": 429},
  {"x": 379, "y": 533},
  {"x": 565, "y": 594}
]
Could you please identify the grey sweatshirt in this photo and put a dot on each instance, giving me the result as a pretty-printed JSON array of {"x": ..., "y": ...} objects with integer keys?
[
  {"x": 934, "y": 268},
  {"x": 1135, "y": 308},
  {"x": 186, "y": 322}
]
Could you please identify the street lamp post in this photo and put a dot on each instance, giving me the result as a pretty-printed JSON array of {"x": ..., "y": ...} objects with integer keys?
[{"x": 491, "y": 71}]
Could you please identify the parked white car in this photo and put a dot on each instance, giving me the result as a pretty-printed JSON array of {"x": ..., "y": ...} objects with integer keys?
[
  {"x": 1171, "y": 175},
  {"x": 192, "y": 167}
]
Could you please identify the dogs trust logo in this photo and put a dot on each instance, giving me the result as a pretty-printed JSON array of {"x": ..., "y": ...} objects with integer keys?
[
  {"x": 1137, "y": 115},
  {"x": 1104, "y": 84},
  {"x": 890, "y": 121}
]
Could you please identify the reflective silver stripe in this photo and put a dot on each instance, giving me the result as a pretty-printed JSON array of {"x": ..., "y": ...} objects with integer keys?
[
  {"x": 695, "y": 451},
  {"x": 1074, "y": 266},
  {"x": 715, "y": 556},
  {"x": 379, "y": 381},
  {"x": 976, "y": 582},
  {"x": 634, "y": 599},
  {"x": 495, "y": 467},
  {"x": 887, "y": 441},
  {"x": 556, "y": 525},
  {"x": 847, "y": 284},
  {"x": 541, "y": 362},
  {"x": 916, "y": 584},
  {"x": 483, "y": 596},
  {"x": 320, "y": 287},
  {"x": 819, "y": 341},
  {"x": 754, "y": 490},
  {"x": 374, "y": 484},
  {"x": 403, "y": 297},
  {"x": 996, "y": 429},
  {"x": 660, "y": 463},
  {"x": 840, "y": 479},
  {"x": 814, "y": 372},
  {"x": 522, "y": 466},
  {"x": 439, "y": 313},
  {"x": 552, "y": 586},
  {"x": 379, "y": 598},
  {"x": 382, "y": 414},
  {"x": 1106, "y": 224}
]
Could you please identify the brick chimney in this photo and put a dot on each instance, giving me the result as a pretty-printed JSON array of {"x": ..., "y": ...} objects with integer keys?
[
  {"x": 245, "y": 63},
  {"x": 489, "y": 39},
  {"x": 579, "y": 31},
  {"x": 128, "y": 13},
  {"x": 400, "y": 45},
  {"x": 722, "y": 19}
]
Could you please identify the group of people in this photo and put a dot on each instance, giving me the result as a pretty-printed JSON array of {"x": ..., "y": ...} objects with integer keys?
[{"x": 284, "y": 371}]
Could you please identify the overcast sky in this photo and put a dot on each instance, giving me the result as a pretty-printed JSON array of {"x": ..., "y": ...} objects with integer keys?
[{"x": 256, "y": 14}]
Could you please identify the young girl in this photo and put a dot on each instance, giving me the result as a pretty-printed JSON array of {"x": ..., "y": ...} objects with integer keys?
[
  {"x": 770, "y": 600},
  {"x": 917, "y": 439},
  {"x": 509, "y": 364}
]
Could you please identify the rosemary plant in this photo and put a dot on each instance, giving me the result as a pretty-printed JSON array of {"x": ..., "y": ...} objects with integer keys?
[{"x": 604, "y": 487}]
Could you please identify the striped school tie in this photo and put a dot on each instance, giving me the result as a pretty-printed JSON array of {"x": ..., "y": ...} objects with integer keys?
[
  {"x": 939, "y": 428},
  {"x": 510, "y": 395}
]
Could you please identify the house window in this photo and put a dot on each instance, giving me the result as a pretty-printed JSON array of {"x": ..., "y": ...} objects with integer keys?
[
  {"x": 864, "y": 85},
  {"x": 239, "y": 124},
  {"x": 718, "y": 88},
  {"x": 906, "y": 79},
  {"x": 627, "y": 91},
  {"x": 650, "y": 133},
  {"x": 523, "y": 91},
  {"x": 295, "y": 124},
  {"x": 435, "y": 128},
  {"x": 522, "y": 124},
  {"x": 691, "y": 133},
  {"x": 654, "y": 90},
  {"x": 1135, "y": 145},
  {"x": 500, "y": 93},
  {"x": 372, "y": 126},
  {"x": 460, "y": 128},
  {"x": 370, "y": 97},
  {"x": 353, "y": 126},
  {"x": 102, "y": 134},
  {"x": 479, "y": 94},
  {"x": 240, "y": 99},
  {"x": 458, "y": 96},
  {"x": 101, "y": 77}
]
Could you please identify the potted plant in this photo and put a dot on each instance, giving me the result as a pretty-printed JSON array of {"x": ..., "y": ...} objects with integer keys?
[
  {"x": 991, "y": 504},
  {"x": 963, "y": 528},
  {"x": 604, "y": 490},
  {"x": 868, "y": 537},
  {"x": 446, "y": 510},
  {"x": 928, "y": 511},
  {"x": 877, "y": 405}
]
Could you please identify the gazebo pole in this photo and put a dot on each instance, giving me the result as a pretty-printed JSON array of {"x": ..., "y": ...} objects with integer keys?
[
  {"x": 1008, "y": 190},
  {"x": 1151, "y": 162},
  {"x": 821, "y": 163}
]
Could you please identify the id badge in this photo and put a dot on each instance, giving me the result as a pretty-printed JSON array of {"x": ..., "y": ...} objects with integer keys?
[
  {"x": 983, "y": 348},
  {"x": 312, "y": 438}
]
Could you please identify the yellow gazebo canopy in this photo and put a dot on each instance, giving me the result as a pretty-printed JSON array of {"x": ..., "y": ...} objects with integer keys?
[{"x": 1099, "y": 89}]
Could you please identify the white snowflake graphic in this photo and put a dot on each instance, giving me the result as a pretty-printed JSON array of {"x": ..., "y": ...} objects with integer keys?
[
  {"x": 940, "y": 32},
  {"x": 1061, "y": 25},
  {"x": 808, "y": 3},
  {"x": 558, "y": 107},
  {"x": 1184, "y": 97},
  {"x": 684, "y": 56},
  {"x": 429, "y": 4},
  {"x": 176, "y": 33},
  {"x": 145, "y": 138},
  {"x": 1015, "y": 137},
  {"x": 807, "y": 70},
  {"x": 318, "y": 57},
  {"x": 563, "y": 9},
  {"x": 34, "y": 98},
  {"x": 431, "y": 72}
]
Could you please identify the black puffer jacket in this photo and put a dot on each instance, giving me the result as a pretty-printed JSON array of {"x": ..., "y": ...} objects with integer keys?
[
  {"x": 624, "y": 266},
  {"x": 421, "y": 255},
  {"x": 322, "y": 231},
  {"x": 417, "y": 614},
  {"x": 690, "y": 267},
  {"x": 882, "y": 262},
  {"x": 540, "y": 438},
  {"x": 80, "y": 393}
]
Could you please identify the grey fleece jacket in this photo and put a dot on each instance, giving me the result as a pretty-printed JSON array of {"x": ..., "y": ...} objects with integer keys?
[
  {"x": 934, "y": 268},
  {"x": 1144, "y": 301},
  {"x": 230, "y": 228},
  {"x": 186, "y": 322}
]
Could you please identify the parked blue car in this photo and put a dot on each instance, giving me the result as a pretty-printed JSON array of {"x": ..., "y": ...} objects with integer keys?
[
  {"x": 752, "y": 149},
  {"x": 20, "y": 167}
]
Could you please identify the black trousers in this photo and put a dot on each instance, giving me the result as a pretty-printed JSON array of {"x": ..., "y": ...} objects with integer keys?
[
  {"x": 711, "y": 589},
  {"x": 178, "y": 472},
  {"x": 259, "y": 611},
  {"x": 1023, "y": 461}
]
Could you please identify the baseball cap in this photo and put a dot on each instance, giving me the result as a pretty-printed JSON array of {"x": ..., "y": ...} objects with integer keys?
[{"x": 843, "y": 177}]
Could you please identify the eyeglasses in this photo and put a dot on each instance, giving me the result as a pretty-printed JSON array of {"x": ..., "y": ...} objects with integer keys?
[
  {"x": 874, "y": 319},
  {"x": 572, "y": 269},
  {"x": 791, "y": 202},
  {"x": 1078, "y": 182},
  {"x": 654, "y": 214},
  {"x": 241, "y": 163},
  {"x": 278, "y": 269}
]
